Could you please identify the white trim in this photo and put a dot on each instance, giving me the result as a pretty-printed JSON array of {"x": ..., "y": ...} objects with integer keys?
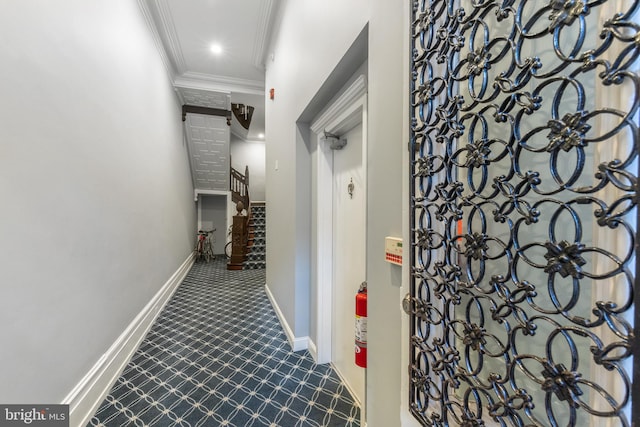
[
  {"x": 157, "y": 39},
  {"x": 313, "y": 350},
  {"x": 297, "y": 344},
  {"x": 256, "y": 84},
  {"x": 169, "y": 30},
  {"x": 230, "y": 208},
  {"x": 199, "y": 223},
  {"x": 89, "y": 393},
  {"x": 348, "y": 386},
  {"x": 199, "y": 191},
  {"x": 262, "y": 32},
  {"x": 346, "y": 100},
  {"x": 324, "y": 251},
  {"x": 201, "y": 81},
  {"x": 349, "y": 109}
]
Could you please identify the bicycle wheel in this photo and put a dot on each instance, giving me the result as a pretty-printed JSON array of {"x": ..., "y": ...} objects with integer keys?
[
  {"x": 208, "y": 251},
  {"x": 227, "y": 250},
  {"x": 198, "y": 251}
]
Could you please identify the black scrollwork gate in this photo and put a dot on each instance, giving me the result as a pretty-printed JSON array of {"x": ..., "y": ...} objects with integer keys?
[{"x": 524, "y": 166}]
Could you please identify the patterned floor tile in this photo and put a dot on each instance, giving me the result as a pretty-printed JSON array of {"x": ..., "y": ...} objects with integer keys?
[{"x": 217, "y": 356}]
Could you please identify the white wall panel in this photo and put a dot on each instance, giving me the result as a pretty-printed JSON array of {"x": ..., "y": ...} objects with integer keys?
[
  {"x": 97, "y": 202},
  {"x": 311, "y": 40}
]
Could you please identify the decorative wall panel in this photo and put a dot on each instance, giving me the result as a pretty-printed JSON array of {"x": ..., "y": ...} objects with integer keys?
[
  {"x": 205, "y": 98},
  {"x": 524, "y": 166},
  {"x": 208, "y": 140}
]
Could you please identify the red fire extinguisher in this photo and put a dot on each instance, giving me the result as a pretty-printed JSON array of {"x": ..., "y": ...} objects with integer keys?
[{"x": 361, "y": 326}]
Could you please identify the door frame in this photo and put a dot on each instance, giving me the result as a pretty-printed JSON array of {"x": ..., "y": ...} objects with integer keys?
[
  {"x": 347, "y": 111},
  {"x": 230, "y": 209}
]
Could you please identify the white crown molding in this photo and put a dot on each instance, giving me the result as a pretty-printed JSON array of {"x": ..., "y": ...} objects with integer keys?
[
  {"x": 344, "y": 101},
  {"x": 254, "y": 84},
  {"x": 210, "y": 82},
  {"x": 171, "y": 36},
  {"x": 179, "y": 93},
  {"x": 264, "y": 24},
  {"x": 157, "y": 39}
]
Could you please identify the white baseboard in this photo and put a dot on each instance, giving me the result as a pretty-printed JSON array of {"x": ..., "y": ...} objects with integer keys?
[
  {"x": 313, "y": 349},
  {"x": 297, "y": 344},
  {"x": 348, "y": 386},
  {"x": 86, "y": 397},
  {"x": 300, "y": 344}
]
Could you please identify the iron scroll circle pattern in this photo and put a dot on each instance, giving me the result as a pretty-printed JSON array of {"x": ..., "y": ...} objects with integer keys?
[{"x": 524, "y": 165}]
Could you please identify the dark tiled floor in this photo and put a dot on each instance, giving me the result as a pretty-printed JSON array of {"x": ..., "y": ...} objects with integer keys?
[{"x": 217, "y": 356}]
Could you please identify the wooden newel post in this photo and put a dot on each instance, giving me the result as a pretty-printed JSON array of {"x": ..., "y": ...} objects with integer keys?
[{"x": 239, "y": 235}]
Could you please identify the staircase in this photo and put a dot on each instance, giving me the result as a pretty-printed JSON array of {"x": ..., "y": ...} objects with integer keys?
[
  {"x": 248, "y": 232},
  {"x": 257, "y": 232}
]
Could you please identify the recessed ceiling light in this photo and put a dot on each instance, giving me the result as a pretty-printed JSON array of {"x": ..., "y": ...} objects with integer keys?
[
  {"x": 261, "y": 135},
  {"x": 216, "y": 49}
]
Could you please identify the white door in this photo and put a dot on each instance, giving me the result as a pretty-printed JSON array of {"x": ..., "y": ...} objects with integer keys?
[{"x": 349, "y": 245}]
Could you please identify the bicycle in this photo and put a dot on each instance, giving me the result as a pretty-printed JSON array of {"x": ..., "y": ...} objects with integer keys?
[{"x": 204, "y": 245}]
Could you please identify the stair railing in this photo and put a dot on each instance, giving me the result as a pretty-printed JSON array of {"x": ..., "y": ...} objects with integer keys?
[{"x": 239, "y": 186}]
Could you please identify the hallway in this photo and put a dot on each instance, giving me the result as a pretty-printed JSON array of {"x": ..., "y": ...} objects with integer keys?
[{"x": 217, "y": 356}]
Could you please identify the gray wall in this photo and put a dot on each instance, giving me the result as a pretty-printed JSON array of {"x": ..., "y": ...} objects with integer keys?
[
  {"x": 305, "y": 52},
  {"x": 97, "y": 202},
  {"x": 213, "y": 214},
  {"x": 312, "y": 142},
  {"x": 250, "y": 153}
]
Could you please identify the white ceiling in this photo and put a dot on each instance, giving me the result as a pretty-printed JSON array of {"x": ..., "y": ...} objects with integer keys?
[{"x": 186, "y": 29}]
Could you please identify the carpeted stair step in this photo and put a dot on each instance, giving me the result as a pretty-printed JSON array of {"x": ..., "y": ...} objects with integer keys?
[{"x": 257, "y": 248}]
